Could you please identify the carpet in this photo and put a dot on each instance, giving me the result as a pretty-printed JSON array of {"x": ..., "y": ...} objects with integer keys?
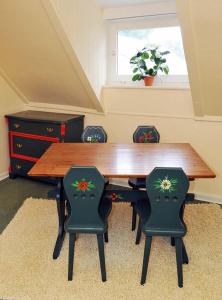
[{"x": 27, "y": 270}]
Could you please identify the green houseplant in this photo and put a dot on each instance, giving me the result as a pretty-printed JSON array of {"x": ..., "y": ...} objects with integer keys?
[{"x": 147, "y": 63}]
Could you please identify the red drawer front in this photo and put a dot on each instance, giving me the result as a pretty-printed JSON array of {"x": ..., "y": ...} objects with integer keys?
[{"x": 29, "y": 147}]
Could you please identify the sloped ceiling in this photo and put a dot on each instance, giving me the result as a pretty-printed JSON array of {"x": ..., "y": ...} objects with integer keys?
[
  {"x": 113, "y": 3},
  {"x": 201, "y": 25},
  {"x": 37, "y": 60}
]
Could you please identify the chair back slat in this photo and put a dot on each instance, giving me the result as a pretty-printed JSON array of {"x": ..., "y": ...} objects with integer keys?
[
  {"x": 146, "y": 134},
  {"x": 94, "y": 134},
  {"x": 84, "y": 188},
  {"x": 166, "y": 189}
]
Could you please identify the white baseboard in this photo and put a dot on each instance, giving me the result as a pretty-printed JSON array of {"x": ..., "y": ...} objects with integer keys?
[
  {"x": 200, "y": 197},
  {"x": 3, "y": 175},
  {"x": 209, "y": 198},
  {"x": 121, "y": 182}
]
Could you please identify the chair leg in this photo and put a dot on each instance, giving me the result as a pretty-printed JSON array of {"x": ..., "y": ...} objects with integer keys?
[
  {"x": 184, "y": 254},
  {"x": 106, "y": 237},
  {"x": 134, "y": 213},
  {"x": 101, "y": 256},
  {"x": 133, "y": 218},
  {"x": 138, "y": 235},
  {"x": 179, "y": 259},
  {"x": 146, "y": 258},
  {"x": 72, "y": 238},
  {"x": 172, "y": 241}
]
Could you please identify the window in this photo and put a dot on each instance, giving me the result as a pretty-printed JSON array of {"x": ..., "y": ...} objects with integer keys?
[{"x": 126, "y": 39}]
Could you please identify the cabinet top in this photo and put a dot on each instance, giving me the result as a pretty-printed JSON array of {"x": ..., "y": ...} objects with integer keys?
[{"x": 42, "y": 116}]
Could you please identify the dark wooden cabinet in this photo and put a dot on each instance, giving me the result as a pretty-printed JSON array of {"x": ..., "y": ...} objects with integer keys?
[{"x": 32, "y": 132}]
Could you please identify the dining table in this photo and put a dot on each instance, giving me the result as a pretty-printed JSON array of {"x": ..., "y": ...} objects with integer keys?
[{"x": 115, "y": 160}]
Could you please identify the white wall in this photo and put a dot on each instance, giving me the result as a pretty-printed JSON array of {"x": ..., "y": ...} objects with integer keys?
[{"x": 10, "y": 102}]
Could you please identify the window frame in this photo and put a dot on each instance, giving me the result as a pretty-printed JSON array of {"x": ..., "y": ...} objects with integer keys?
[{"x": 155, "y": 21}]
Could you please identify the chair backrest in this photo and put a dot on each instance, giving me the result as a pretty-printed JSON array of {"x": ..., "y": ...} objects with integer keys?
[
  {"x": 84, "y": 188},
  {"x": 146, "y": 134},
  {"x": 166, "y": 189},
  {"x": 94, "y": 134}
]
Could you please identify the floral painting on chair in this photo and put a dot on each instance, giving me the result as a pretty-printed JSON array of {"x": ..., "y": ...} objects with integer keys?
[{"x": 83, "y": 185}]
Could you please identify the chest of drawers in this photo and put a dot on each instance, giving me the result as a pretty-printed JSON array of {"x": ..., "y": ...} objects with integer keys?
[{"x": 32, "y": 132}]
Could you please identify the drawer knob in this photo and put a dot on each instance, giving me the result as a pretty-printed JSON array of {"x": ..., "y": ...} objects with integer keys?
[
  {"x": 16, "y": 125},
  {"x": 19, "y": 146},
  {"x": 18, "y": 167},
  {"x": 49, "y": 129}
]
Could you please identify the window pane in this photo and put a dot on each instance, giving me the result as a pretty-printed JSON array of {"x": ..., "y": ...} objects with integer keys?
[{"x": 167, "y": 38}]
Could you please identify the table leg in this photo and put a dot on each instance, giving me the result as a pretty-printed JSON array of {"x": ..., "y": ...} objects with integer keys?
[{"x": 61, "y": 217}]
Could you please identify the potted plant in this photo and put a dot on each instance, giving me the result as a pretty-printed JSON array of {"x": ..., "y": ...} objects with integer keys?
[{"x": 147, "y": 63}]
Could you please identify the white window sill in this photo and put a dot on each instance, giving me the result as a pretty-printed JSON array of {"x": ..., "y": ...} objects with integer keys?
[{"x": 153, "y": 87}]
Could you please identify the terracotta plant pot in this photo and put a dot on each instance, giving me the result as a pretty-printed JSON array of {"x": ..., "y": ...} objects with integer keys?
[{"x": 148, "y": 81}]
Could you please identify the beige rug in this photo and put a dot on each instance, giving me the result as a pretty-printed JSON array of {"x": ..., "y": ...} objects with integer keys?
[{"x": 27, "y": 270}]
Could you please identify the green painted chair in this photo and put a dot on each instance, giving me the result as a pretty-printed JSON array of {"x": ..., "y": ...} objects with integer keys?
[
  {"x": 94, "y": 134},
  {"x": 146, "y": 134},
  {"x": 84, "y": 187},
  {"x": 162, "y": 214},
  {"x": 143, "y": 134}
]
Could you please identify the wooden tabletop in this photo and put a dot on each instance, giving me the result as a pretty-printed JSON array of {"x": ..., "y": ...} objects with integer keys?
[{"x": 121, "y": 160}]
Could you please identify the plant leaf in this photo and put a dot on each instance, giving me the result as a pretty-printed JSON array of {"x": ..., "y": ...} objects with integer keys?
[
  {"x": 132, "y": 59},
  {"x": 166, "y": 70},
  {"x": 145, "y": 55},
  {"x": 136, "y": 77},
  {"x": 151, "y": 72},
  {"x": 142, "y": 64}
]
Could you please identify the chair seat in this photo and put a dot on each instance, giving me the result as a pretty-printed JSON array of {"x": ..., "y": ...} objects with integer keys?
[
  {"x": 138, "y": 183},
  {"x": 104, "y": 210},
  {"x": 142, "y": 207},
  {"x": 172, "y": 232}
]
